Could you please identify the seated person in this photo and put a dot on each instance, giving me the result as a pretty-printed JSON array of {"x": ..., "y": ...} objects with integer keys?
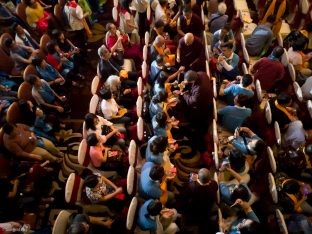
[
  {"x": 158, "y": 30},
  {"x": 22, "y": 37},
  {"x": 159, "y": 48},
  {"x": 110, "y": 109},
  {"x": 218, "y": 20},
  {"x": 99, "y": 189},
  {"x": 155, "y": 149},
  {"x": 261, "y": 38},
  {"x": 295, "y": 135},
  {"x": 232, "y": 89},
  {"x": 306, "y": 88},
  {"x": 163, "y": 81},
  {"x": 157, "y": 103},
  {"x": 189, "y": 22},
  {"x": 4, "y": 106},
  {"x": 36, "y": 16},
  {"x": 22, "y": 143},
  {"x": 191, "y": 53},
  {"x": 224, "y": 34},
  {"x": 45, "y": 96},
  {"x": 232, "y": 117},
  {"x": 299, "y": 223},
  {"x": 147, "y": 215},
  {"x": 160, "y": 125},
  {"x": 20, "y": 54},
  {"x": 227, "y": 64}
]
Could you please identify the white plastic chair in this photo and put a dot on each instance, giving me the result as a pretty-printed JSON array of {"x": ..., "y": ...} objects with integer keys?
[
  {"x": 140, "y": 128},
  {"x": 93, "y": 103},
  {"x": 298, "y": 91},
  {"x": 277, "y": 133},
  {"x": 95, "y": 84},
  {"x": 60, "y": 224},
  {"x": 272, "y": 188},
  {"x": 139, "y": 106},
  {"x": 292, "y": 71},
  {"x": 216, "y": 155},
  {"x": 309, "y": 106},
  {"x": 259, "y": 91},
  {"x": 245, "y": 70},
  {"x": 215, "y": 110},
  {"x": 268, "y": 113},
  {"x": 130, "y": 224},
  {"x": 285, "y": 58},
  {"x": 281, "y": 222},
  {"x": 271, "y": 159}
]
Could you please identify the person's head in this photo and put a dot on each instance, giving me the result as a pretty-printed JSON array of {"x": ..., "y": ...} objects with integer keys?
[
  {"x": 241, "y": 100},
  {"x": 226, "y": 48},
  {"x": 159, "y": 97},
  {"x": 9, "y": 129},
  {"x": 271, "y": 19},
  {"x": 159, "y": 145},
  {"x": 30, "y": 2},
  {"x": 162, "y": 78},
  {"x": 33, "y": 80},
  {"x": 92, "y": 139},
  {"x": 154, "y": 208},
  {"x": 163, "y": 2},
  {"x": 103, "y": 52},
  {"x": 159, "y": 60},
  {"x": 78, "y": 228},
  {"x": 160, "y": 40},
  {"x": 190, "y": 76},
  {"x": 58, "y": 35},
  {"x": 284, "y": 99},
  {"x": 25, "y": 106},
  {"x": 222, "y": 8},
  {"x": 157, "y": 172},
  {"x": 237, "y": 160},
  {"x": 248, "y": 226},
  {"x": 91, "y": 181},
  {"x": 299, "y": 44},
  {"x": 277, "y": 52},
  {"x": 111, "y": 28},
  {"x": 105, "y": 93},
  {"x": 189, "y": 39},
  {"x": 38, "y": 61},
  {"x": 256, "y": 146},
  {"x": 113, "y": 82},
  {"x": 187, "y": 13},
  {"x": 246, "y": 80},
  {"x": 125, "y": 4},
  {"x": 161, "y": 119},
  {"x": 91, "y": 121},
  {"x": 159, "y": 25},
  {"x": 225, "y": 30},
  {"x": 308, "y": 149},
  {"x": 291, "y": 187},
  {"x": 204, "y": 176},
  {"x": 9, "y": 43},
  {"x": 18, "y": 29},
  {"x": 240, "y": 192},
  {"x": 51, "y": 45}
]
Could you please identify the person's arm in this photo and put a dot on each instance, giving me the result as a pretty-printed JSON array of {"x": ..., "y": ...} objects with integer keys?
[
  {"x": 19, "y": 152},
  {"x": 234, "y": 174},
  {"x": 112, "y": 133},
  {"x": 100, "y": 221},
  {"x": 14, "y": 190},
  {"x": 248, "y": 210},
  {"x": 18, "y": 58},
  {"x": 248, "y": 131},
  {"x": 114, "y": 47},
  {"x": 179, "y": 29},
  {"x": 224, "y": 90},
  {"x": 110, "y": 183},
  {"x": 174, "y": 75},
  {"x": 191, "y": 99}
]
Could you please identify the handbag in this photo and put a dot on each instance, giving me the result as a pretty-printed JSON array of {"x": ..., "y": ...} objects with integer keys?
[{"x": 113, "y": 154}]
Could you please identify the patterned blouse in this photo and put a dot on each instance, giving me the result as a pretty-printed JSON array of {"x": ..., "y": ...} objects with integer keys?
[{"x": 99, "y": 191}]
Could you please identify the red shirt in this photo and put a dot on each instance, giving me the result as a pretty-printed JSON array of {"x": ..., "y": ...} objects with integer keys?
[{"x": 53, "y": 61}]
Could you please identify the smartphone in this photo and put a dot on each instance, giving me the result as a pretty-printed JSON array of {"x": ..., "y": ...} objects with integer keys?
[{"x": 306, "y": 191}]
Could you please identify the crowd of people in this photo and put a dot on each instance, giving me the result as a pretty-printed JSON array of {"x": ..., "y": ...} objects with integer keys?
[{"x": 221, "y": 120}]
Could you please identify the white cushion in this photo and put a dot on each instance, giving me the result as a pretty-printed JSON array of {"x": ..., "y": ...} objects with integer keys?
[
  {"x": 309, "y": 106},
  {"x": 298, "y": 91},
  {"x": 214, "y": 88},
  {"x": 140, "y": 86},
  {"x": 216, "y": 155},
  {"x": 145, "y": 52},
  {"x": 140, "y": 128},
  {"x": 245, "y": 70},
  {"x": 60, "y": 224},
  {"x": 70, "y": 186},
  {"x": 132, "y": 153},
  {"x": 272, "y": 188},
  {"x": 292, "y": 71},
  {"x": 131, "y": 213},
  {"x": 268, "y": 113},
  {"x": 144, "y": 69},
  {"x": 127, "y": 65},
  {"x": 281, "y": 222},
  {"x": 94, "y": 84},
  {"x": 93, "y": 103},
  {"x": 215, "y": 132},
  {"x": 285, "y": 58},
  {"x": 305, "y": 6},
  {"x": 82, "y": 150},
  {"x": 271, "y": 159},
  {"x": 131, "y": 180},
  {"x": 139, "y": 105},
  {"x": 277, "y": 133},
  {"x": 115, "y": 14},
  {"x": 146, "y": 38},
  {"x": 148, "y": 11},
  {"x": 215, "y": 110},
  {"x": 215, "y": 177},
  {"x": 259, "y": 90},
  {"x": 84, "y": 130}
]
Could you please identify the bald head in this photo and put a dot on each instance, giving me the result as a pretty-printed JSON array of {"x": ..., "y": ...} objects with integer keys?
[
  {"x": 159, "y": 40},
  {"x": 204, "y": 175},
  {"x": 189, "y": 38}
]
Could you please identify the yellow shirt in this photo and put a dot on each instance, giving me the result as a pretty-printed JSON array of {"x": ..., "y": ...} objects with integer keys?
[{"x": 33, "y": 15}]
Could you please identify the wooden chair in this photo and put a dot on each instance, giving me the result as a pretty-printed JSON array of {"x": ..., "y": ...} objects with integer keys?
[
  {"x": 3, "y": 37},
  {"x": 272, "y": 188},
  {"x": 45, "y": 38},
  {"x": 95, "y": 84},
  {"x": 24, "y": 92},
  {"x": 60, "y": 225},
  {"x": 94, "y": 103},
  {"x": 13, "y": 115},
  {"x": 271, "y": 159},
  {"x": 7, "y": 64},
  {"x": 298, "y": 91},
  {"x": 21, "y": 12},
  {"x": 29, "y": 70}
]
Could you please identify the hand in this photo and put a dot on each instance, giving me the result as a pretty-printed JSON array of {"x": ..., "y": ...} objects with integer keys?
[
  {"x": 108, "y": 223},
  {"x": 178, "y": 59},
  {"x": 63, "y": 98},
  {"x": 220, "y": 58},
  {"x": 37, "y": 157},
  {"x": 15, "y": 224},
  {"x": 245, "y": 205},
  {"x": 181, "y": 69},
  {"x": 126, "y": 91},
  {"x": 177, "y": 92},
  {"x": 63, "y": 59},
  {"x": 60, "y": 109},
  {"x": 120, "y": 38},
  {"x": 59, "y": 80},
  {"x": 119, "y": 190}
]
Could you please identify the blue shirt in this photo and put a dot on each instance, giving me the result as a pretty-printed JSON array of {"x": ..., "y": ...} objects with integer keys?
[
  {"x": 155, "y": 108},
  {"x": 233, "y": 116},
  {"x": 48, "y": 73},
  {"x": 157, "y": 88},
  {"x": 151, "y": 157},
  {"x": 234, "y": 90},
  {"x": 158, "y": 131},
  {"x": 226, "y": 191},
  {"x": 239, "y": 144},
  {"x": 144, "y": 220},
  {"x": 154, "y": 71},
  {"x": 148, "y": 188}
]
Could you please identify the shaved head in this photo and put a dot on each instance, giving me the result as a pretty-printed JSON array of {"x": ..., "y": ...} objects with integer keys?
[
  {"x": 189, "y": 38},
  {"x": 159, "y": 40},
  {"x": 204, "y": 175}
]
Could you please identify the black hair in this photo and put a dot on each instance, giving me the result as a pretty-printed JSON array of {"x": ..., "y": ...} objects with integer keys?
[
  {"x": 159, "y": 24},
  {"x": 92, "y": 139},
  {"x": 227, "y": 45},
  {"x": 8, "y": 42},
  {"x": 14, "y": 26},
  {"x": 162, "y": 2},
  {"x": 162, "y": 77},
  {"x": 91, "y": 181},
  {"x": 159, "y": 144},
  {"x": 278, "y": 51},
  {"x": 28, "y": 2},
  {"x": 157, "y": 172},
  {"x": 247, "y": 80},
  {"x": 291, "y": 186},
  {"x": 89, "y": 121},
  {"x": 187, "y": 10},
  {"x": 260, "y": 147},
  {"x": 31, "y": 79},
  {"x": 299, "y": 44},
  {"x": 76, "y": 228},
  {"x": 37, "y": 60},
  {"x": 105, "y": 93},
  {"x": 161, "y": 119},
  {"x": 8, "y": 128},
  {"x": 283, "y": 99},
  {"x": 159, "y": 97},
  {"x": 227, "y": 27},
  {"x": 51, "y": 47},
  {"x": 154, "y": 208},
  {"x": 56, "y": 33},
  {"x": 271, "y": 19},
  {"x": 190, "y": 76},
  {"x": 242, "y": 99},
  {"x": 309, "y": 27},
  {"x": 240, "y": 192},
  {"x": 252, "y": 228},
  {"x": 85, "y": 173},
  {"x": 237, "y": 159},
  {"x": 125, "y": 4},
  {"x": 159, "y": 59}
]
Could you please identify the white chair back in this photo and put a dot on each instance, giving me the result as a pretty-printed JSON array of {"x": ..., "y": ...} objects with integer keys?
[
  {"x": 144, "y": 69},
  {"x": 215, "y": 132},
  {"x": 140, "y": 128},
  {"x": 148, "y": 12},
  {"x": 292, "y": 71},
  {"x": 95, "y": 84},
  {"x": 268, "y": 113},
  {"x": 298, "y": 91},
  {"x": 207, "y": 69},
  {"x": 145, "y": 52},
  {"x": 115, "y": 14},
  {"x": 277, "y": 133},
  {"x": 131, "y": 181},
  {"x": 259, "y": 91},
  {"x": 309, "y": 106},
  {"x": 146, "y": 38},
  {"x": 140, "y": 86},
  {"x": 60, "y": 224},
  {"x": 216, "y": 155},
  {"x": 115, "y": 3},
  {"x": 73, "y": 189},
  {"x": 214, "y": 87},
  {"x": 132, "y": 153},
  {"x": 305, "y": 6},
  {"x": 215, "y": 110},
  {"x": 82, "y": 151},
  {"x": 281, "y": 222},
  {"x": 271, "y": 159},
  {"x": 272, "y": 188},
  {"x": 94, "y": 103},
  {"x": 132, "y": 213},
  {"x": 285, "y": 58},
  {"x": 139, "y": 106},
  {"x": 245, "y": 69}
]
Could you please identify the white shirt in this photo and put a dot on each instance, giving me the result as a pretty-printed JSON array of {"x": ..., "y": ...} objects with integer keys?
[
  {"x": 123, "y": 22},
  {"x": 295, "y": 57},
  {"x": 98, "y": 128},
  {"x": 109, "y": 108},
  {"x": 160, "y": 14},
  {"x": 75, "y": 17},
  {"x": 141, "y": 5},
  {"x": 18, "y": 40}
]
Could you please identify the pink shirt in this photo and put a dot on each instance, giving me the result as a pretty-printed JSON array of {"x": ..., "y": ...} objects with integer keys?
[{"x": 96, "y": 156}]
